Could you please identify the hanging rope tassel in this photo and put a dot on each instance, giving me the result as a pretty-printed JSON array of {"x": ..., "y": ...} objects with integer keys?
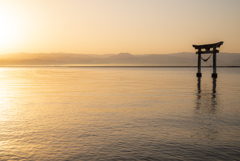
[{"x": 207, "y": 58}]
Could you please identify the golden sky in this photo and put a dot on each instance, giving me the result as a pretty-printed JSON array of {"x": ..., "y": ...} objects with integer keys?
[{"x": 114, "y": 26}]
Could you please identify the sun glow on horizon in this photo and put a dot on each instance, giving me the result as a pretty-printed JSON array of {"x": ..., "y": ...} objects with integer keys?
[{"x": 11, "y": 28}]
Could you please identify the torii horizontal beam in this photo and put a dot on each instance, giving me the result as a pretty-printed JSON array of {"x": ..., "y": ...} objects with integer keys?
[{"x": 208, "y": 46}]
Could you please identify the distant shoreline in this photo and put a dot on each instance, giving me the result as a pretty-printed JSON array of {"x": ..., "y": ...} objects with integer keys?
[{"x": 116, "y": 66}]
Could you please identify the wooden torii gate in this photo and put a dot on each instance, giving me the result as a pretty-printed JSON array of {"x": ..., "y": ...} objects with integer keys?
[{"x": 208, "y": 48}]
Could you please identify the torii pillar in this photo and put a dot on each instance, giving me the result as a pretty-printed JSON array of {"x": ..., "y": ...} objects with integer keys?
[{"x": 208, "y": 48}]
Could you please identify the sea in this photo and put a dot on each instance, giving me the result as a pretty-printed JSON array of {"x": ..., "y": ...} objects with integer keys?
[{"x": 108, "y": 113}]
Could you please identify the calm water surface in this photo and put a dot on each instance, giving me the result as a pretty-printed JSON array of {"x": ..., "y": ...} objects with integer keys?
[{"x": 119, "y": 113}]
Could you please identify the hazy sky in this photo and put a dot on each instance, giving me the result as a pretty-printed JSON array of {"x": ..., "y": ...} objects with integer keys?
[{"x": 114, "y": 26}]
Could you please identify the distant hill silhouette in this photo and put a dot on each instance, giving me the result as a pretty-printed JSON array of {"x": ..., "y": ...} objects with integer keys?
[
  {"x": 175, "y": 59},
  {"x": 123, "y": 58}
]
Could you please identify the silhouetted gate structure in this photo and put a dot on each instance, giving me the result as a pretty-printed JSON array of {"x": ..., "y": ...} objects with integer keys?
[{"x": 208, "y": 48}]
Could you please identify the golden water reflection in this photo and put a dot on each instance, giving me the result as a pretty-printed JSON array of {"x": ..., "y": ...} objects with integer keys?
[{"x": 71, "y": 113}]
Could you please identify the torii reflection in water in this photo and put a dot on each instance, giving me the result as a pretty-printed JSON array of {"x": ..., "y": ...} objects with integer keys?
[
  {"x": 213, "y": 94},
  {"x": 205, "y": 110}
]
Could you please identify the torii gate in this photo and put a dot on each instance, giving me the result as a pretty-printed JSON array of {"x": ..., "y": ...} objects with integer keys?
[{"x": 208, "y": 50}]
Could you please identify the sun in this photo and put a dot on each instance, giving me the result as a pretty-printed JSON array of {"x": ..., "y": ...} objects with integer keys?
[{"x": 11, "y": 29}]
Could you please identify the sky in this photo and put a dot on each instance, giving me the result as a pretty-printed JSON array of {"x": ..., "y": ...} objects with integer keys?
[{"x": 115, "y": 26}]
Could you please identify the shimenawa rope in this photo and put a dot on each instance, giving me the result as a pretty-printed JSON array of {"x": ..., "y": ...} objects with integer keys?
[{"x": 206, "y": 59}]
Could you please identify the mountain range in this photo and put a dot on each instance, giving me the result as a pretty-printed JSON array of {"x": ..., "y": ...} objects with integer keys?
[{"x": 175, "y": 59}]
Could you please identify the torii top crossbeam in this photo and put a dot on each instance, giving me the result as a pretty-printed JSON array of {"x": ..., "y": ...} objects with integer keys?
[{"x": 207, "y": 48}]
